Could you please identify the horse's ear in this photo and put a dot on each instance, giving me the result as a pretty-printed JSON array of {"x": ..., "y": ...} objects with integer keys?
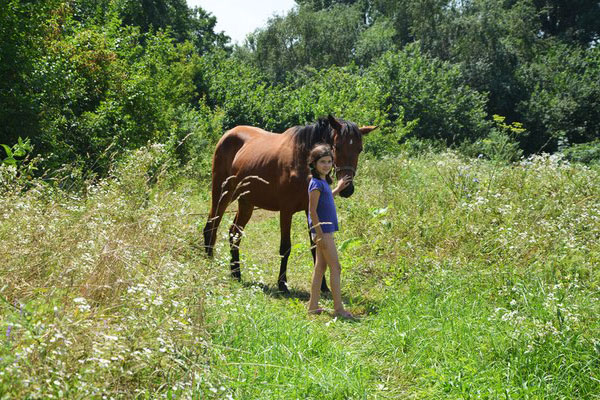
[
  {"x": 366, "y": 129},
  {"x": 334, "y": 123}
]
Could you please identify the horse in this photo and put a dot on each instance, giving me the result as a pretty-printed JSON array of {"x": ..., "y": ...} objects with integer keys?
[{"x": 270, "y": 171}]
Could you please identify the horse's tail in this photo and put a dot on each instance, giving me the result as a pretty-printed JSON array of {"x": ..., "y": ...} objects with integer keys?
[{"x": 223, "y": 184}]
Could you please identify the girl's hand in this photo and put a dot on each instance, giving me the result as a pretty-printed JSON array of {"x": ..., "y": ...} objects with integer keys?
[{"x": 344, "y": 182}]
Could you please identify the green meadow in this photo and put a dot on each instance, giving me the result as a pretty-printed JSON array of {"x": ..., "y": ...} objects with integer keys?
[{"x": 472, "y": 280}]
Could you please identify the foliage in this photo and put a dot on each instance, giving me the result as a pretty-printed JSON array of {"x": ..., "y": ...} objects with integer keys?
[
  {"x": 575, "y": 21},
  {"x": 194, "y": 138},
  {"x": 94, "y": 85},
  {"x": 244, "y": 95},
  {"x": 342, "y": 92},
  {"x": 89, "y": 81},
  {"x": 17, "y": 168},
  {"x": 195, "y": 25},
  {"x": 586, "y": 153},
  {"x": 240, "y": 91},
  {"x": 15, "y": 153},
  {"x": 108, "y": 102},
  {"x": 22, "y": 31},
  {"x": 488, "y": 40},
  {"x": 304, "y": 37},
  {"x": 563, "y": 102},
  {"x": 374, "y": 41},
  {"x": 432, "y": 92},
  {"x": 501, "y": 145}
]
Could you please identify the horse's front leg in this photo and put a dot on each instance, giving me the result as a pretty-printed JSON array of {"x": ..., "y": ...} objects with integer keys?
[{"x": 285, "y": 224}]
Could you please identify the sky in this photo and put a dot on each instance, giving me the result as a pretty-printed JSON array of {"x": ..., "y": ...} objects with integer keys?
[{"x": 237, "y": 18}]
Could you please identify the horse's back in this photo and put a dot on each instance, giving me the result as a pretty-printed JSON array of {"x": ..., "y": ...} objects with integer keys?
[
  {"x": 246, "y": 146},
  {"x": 260, "y": 159}
]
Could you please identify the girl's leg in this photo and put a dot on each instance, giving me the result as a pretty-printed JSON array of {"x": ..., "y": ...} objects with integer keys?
[
  {"x": 329, "y": 252},
  {"x": 315, "y": 287}
]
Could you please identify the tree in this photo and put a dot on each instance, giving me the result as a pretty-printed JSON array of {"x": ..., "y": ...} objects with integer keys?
[
  {"x": 22, "y": 30},
  {"x": 305, "y": 37},
  {"x": 489, "y": 42},
  {"x": 202, "y": 32},
  {"x": 375, "y": 41},
  {"x": 155, "y": 14},
  {"x": 433, "y": 92},
  {"x": 196, "y": 25},
  {"x": 563, "y": 102},
  {"x": 573, "y": 20}
]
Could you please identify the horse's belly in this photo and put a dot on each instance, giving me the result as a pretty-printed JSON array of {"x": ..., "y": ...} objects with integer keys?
[
  {"x": 262, "y": 198},
  {"x": 274, "y": 198}
]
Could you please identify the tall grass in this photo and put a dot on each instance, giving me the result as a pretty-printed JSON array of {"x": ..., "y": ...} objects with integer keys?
[{"x": 473, "y": 280}]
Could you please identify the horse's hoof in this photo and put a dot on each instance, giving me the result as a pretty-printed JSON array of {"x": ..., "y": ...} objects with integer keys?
[
  {"x": 283, "y": 288},
  {"x": 237, "y": 275}
]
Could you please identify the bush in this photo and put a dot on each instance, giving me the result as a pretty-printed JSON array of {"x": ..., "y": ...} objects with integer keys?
[
  {"x": 500, "y": 145},
  {"x": 103, "y": 90},
  {"x": 194, "y": 137},
  {"x": 341, "y": 91},
  {"x": 586, "y": 153},
  {"x": 432, "y": 92},
  {"x": 17, "y": 168},
  {"x": 245, "y": 98},
  {"x": 564, "y": 96}
]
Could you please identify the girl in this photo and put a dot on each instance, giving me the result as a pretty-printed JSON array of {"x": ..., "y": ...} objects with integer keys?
[{"x": 322, "y": 220}]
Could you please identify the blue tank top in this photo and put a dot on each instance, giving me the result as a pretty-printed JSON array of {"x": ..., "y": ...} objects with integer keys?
[{"x": 326, "y": 207}]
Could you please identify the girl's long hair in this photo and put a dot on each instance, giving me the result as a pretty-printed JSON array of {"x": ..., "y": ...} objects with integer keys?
[{"x": 318, "y": 152}]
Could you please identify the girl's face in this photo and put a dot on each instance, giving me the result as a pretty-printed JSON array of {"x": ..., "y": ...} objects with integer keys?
[{"x": 324, "y": 165}]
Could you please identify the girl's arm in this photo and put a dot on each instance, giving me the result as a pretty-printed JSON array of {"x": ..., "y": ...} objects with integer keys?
[
  {"x": 342, "y": 184},
  {"x": 313, "y": 202}
]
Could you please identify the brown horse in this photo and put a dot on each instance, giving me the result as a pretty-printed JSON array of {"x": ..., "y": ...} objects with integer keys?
[{"x": 270, "y": 171}]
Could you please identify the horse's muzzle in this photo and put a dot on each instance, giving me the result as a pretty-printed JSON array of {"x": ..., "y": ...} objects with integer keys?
[{"x": 347, "y": 192}]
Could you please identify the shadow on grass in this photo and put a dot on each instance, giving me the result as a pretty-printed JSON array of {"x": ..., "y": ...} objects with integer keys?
[
  {"x": 274, "y": 292},
  {"x": 360, "y": 305}
]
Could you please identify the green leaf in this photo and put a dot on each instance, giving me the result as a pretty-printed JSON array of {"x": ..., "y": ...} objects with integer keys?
[
  {"x": 9, "y": 152},
  {"x": 19, "y": 152},
  {"x": 350, "y": 243}
]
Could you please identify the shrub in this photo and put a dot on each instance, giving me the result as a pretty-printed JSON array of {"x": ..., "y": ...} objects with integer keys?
[
  {"x": 563, "y": 101},
  {"x": 433, "y": 92},
  {"x": 586, "y": 153},
  {"x": 500, "y": 145}
]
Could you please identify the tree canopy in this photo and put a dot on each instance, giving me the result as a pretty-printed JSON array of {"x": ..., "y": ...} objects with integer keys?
[{"x": 86, "y": 81}]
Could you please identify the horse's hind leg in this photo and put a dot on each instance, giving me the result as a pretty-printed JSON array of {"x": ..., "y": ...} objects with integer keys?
[
  {"x": 285, "y": 247},
  {"x": 236, "y": 231},
  {"x": 222, "y": 195}
]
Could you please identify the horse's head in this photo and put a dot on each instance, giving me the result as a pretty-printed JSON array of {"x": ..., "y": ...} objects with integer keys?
[{"x": 347, "y": 145}]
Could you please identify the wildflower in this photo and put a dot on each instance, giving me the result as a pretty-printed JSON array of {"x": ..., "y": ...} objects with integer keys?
[{"x": 81, "y": 304}]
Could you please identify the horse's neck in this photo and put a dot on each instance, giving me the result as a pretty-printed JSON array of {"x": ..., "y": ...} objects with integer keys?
[{"x": 300, "y": 154}]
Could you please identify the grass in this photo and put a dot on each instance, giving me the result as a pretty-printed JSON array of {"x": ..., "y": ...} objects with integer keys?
[{"x": 473, "y": 280}]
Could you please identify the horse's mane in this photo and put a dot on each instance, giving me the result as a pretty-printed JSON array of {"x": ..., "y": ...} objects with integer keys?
[{"x": 306, "y": 137}]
